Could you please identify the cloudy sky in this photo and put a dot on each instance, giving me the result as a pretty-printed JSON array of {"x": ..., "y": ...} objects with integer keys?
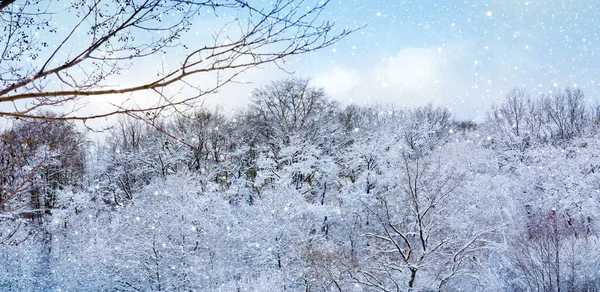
[{"x": 461, "y": 54}]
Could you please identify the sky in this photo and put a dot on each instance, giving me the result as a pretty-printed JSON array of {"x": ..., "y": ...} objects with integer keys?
[
  {"x": 462, "y": 54},
  {"x": 465, "y": 55}
]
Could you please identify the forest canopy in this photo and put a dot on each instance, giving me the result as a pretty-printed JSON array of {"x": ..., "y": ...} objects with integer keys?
[{"x": 297, "y": 192}]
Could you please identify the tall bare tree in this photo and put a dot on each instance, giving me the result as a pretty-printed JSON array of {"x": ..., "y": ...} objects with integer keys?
[
  {"x": 566, "y": 113},
  {"x": 290, "y": 107}
]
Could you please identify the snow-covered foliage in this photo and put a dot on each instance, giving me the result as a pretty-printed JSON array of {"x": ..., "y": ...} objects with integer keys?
[{"x": 298, "y": 194}]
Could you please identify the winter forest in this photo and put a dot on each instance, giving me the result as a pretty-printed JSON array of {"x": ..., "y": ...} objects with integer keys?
[
  {"x": 351, "y": 145},
  {"x": 297, "y": 193}
]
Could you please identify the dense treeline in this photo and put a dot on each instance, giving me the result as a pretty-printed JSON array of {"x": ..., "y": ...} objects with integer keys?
[{"x": 299, "y": 193}]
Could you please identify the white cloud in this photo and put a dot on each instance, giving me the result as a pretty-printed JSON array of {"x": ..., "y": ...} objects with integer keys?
[
  {"x": 414, "y": 76},
  {"x": 413, "y": 70},
  {"x": 338, "y": 82}
]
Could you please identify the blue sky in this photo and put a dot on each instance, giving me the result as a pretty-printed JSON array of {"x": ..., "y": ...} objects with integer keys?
[{"x": 462, "y": 54}]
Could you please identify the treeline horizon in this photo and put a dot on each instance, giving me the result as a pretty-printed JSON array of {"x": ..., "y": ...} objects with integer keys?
[{"x": 297, "y": 192}]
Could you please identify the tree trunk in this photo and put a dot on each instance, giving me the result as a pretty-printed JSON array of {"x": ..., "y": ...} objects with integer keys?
[{"x": 413, "y": 276}]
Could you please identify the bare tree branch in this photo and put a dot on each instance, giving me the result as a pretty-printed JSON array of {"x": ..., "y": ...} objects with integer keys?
[{"x": 119, "y": 34}]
